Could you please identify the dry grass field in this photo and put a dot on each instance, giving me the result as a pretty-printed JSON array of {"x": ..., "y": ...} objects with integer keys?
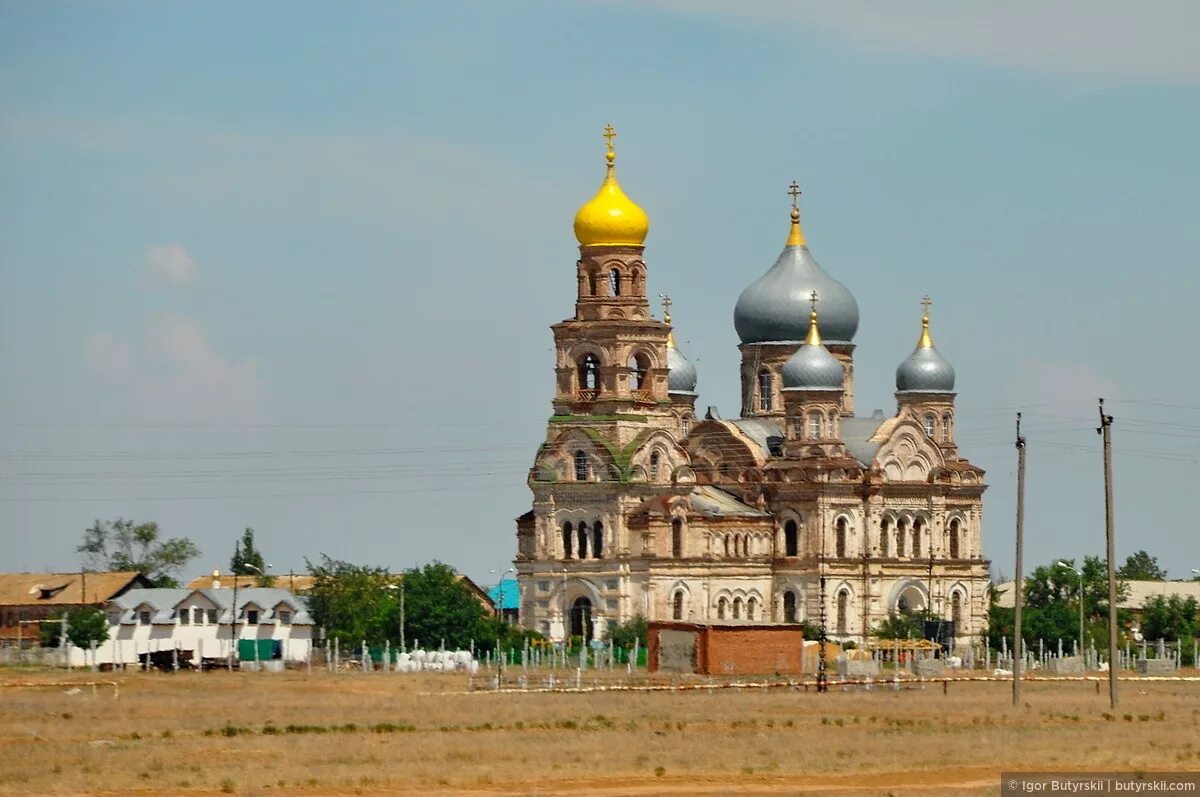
[{"x": 263, "y": 734}]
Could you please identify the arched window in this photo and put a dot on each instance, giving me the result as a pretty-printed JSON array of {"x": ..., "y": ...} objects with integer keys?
[
  {"x": 956, "y": 612},
  {"x": 918, "y": 527},
  {"x": 677, "y": 605},
  {"x": 722, "y": 608},
  {"x": 954, "y": 538},
  {"x": 815, "y": 421},
  {"x": 581, "y": 619},
  {"x": 745, "y": 545},
  {"x": 581, "y": 466},
  {"x": 677, "y": 538},
  {"x": 790, "y": 542},
  {"x": 789, "y": 607},
  {"x": 583, "y": 541},
  {"x": 687, "y": 424},
  {"x": 843, "y": 605},
  {"x": 568, "y": 540},
  {"x": 598, "y": 540},
  {"x": 614, "y": 283},
  {"x": 764, "y": 390},
  {"x": 901, "y": 536},
  {"x": 589, "y": 372},
  {"x": 639, "y": 369},
  {"x": 592, "y": 285},
  {"x": 727, "y": 543},
  {"x": 947, "y": 424},
  {"x": 885, "y": 531},
  {"x": 840, "y": 538},
  {"x": 928, "y": 422},
  {"x": 654, "y": 457},
  {"x": 737, "y": 608},
  {"x": 752, "y": 608}
]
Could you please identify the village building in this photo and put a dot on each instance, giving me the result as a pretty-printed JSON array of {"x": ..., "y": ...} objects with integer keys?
[
  {"x": 797, "y": 510},
  {"x": 271, "y": 624},
  {"x": 27, "y": 600}
]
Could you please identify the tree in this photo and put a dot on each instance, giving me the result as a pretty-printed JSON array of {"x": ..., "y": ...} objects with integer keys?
[
  {"x": 125, "y": 545},
  {"x": 1052, "y": 595},
  {"x": 439, "y": 607},
  {"x": 247, "y": 560},
  {"x": 85, "y": 625},
  {"x": 353, "y": 603},
  {"x": 1171, "y": 618},
  {"x": 1141, "y": 566},
  {"x": 904, "y": 625},
  {"x": 635, "y": 628}
]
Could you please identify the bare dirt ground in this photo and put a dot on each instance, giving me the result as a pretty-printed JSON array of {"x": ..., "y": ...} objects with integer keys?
[{"x": 289, "y": 733}]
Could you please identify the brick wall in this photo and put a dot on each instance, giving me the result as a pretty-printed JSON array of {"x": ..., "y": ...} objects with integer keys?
[{"x": 738, "y": 649}]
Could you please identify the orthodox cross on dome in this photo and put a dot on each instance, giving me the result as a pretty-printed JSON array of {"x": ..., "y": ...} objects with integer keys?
[
  {"x": 610, "y": 133},
  {"x": 812, "y": 300},
  {"x": 666, "y": 304},
  {"x": 794, "y": 190},
  {"x": 926, "y": 303}
]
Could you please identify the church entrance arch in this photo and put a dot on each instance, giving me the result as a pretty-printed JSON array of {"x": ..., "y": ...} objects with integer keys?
[{"x": 581, "y": 619}]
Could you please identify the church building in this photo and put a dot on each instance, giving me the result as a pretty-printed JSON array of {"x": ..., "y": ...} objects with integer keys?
[{"x": 798, "y": 510}]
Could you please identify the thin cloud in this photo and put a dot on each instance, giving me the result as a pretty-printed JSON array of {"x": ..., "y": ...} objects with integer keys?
[
  {"x": 177, "y": 373},
  {"x": 1092, "y": 39},
  {"x": 171, "y": 263}
]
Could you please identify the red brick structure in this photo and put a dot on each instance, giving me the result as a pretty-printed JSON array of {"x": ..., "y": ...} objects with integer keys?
[{"x": 726, "y": 648}]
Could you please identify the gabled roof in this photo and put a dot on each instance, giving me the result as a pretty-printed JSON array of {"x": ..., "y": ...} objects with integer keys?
[
  {"x": 65, "y": 589},
  {"x": 166, "y": 602}
]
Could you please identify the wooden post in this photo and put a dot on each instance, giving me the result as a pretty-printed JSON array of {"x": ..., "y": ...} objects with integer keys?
[
  {"x": 1106, "y": 431},
  {"x": 1018, "y": 583}
]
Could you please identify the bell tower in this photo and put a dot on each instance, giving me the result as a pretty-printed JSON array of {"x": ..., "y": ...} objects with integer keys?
[{"x": 612, "y": 355}]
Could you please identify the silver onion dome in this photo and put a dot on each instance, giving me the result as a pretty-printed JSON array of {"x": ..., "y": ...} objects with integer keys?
[
  {"x": 925, "y": 371},
  {"x": 812, "y": 367},
  {"x": 682, "y": 376},
  {"x": 772, "y": 308}
]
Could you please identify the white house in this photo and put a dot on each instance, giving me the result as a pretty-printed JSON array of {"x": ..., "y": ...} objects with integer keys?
[{"x": 201, "y": 621}]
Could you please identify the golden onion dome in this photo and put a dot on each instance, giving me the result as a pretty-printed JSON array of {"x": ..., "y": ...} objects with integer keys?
[{"x": 610, "y": 218}]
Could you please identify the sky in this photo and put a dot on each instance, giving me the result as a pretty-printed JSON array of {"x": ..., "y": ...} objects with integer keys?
[{"x": 291, "y": 266}]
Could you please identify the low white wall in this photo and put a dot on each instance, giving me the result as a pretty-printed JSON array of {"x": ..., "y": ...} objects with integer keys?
[{"x": 126, "y": 642}]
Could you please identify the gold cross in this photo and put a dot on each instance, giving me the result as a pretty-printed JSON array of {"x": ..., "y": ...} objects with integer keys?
[
  {"x": 812, "y": 298},
  {"x": 794, "y": 190},
  {"x": 609, "y": 134},
  {"x": 666, "y": 303},
  {"x": 926, "y": 303}
]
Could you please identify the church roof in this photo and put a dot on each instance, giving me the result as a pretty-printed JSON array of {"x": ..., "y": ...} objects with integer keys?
[
  {"x": 758, "y": 430},
  {"x": 708, "y": 500},
  {"x": 864, "y": 436}
]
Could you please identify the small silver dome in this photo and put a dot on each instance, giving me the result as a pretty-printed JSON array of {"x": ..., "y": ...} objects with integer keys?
[
  {"x": 682, "y": 374},
  {"x": 812, "y": 367},
  {"x": 774, "y": 307},
  {"x": 925, "y": 371}
]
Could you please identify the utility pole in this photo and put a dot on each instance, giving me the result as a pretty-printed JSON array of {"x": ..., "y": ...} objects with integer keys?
[
  {"x": 1019, "y": 579},
  {"x": 1105, "y": 429},
  {"x": 823, "y": 615}
]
